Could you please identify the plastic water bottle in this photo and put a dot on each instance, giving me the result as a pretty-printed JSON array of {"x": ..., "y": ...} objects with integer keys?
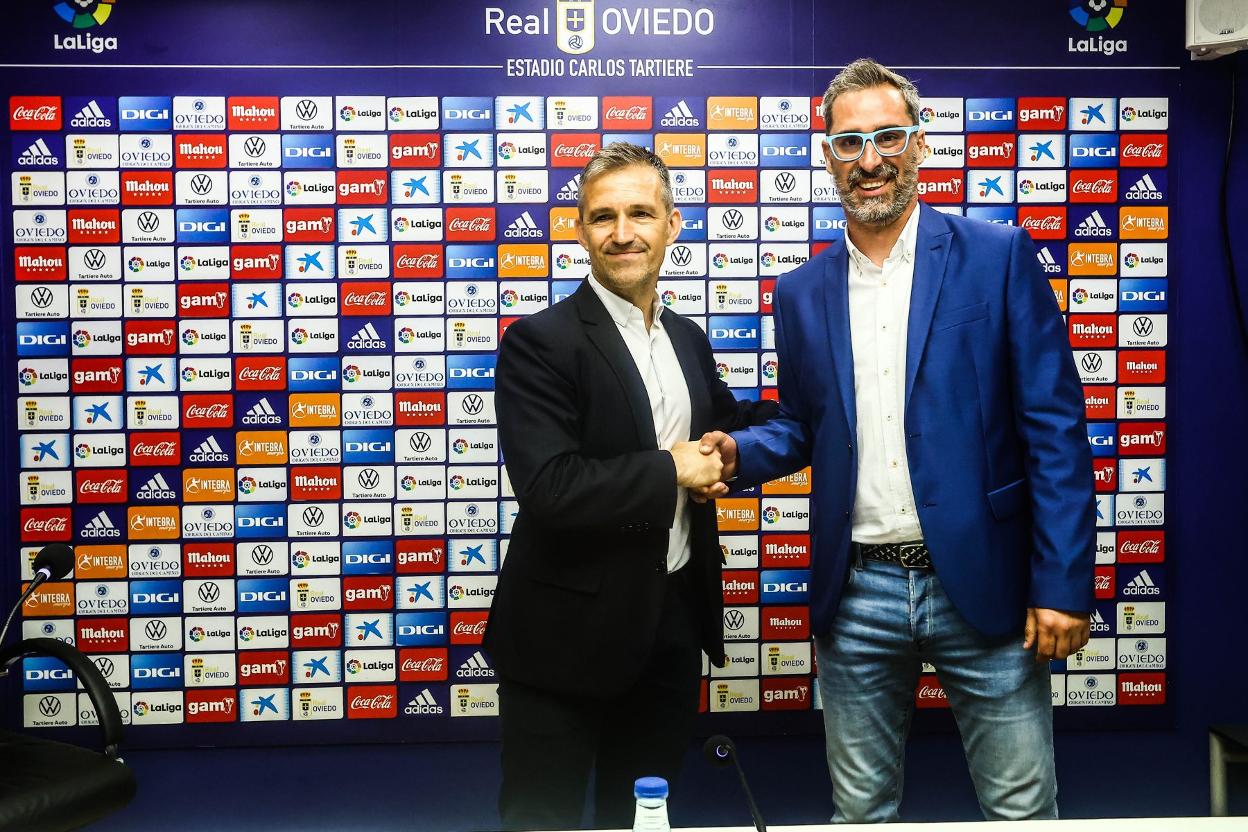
[{"x": 651, "y": 794}]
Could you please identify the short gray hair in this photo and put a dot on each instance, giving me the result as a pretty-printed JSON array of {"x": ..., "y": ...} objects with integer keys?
[
  {"x": 619, "y": 155},
  {"x": 865, "y": 73}
]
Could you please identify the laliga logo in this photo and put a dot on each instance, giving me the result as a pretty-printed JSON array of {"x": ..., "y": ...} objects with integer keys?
[{"x": 84, "y": 14}]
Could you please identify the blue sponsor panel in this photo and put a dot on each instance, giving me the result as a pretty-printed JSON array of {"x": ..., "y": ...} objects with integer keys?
[
  {"x": 202, "y": 448},
  {"x": 828, "y": 223},
  {"x": 645, "y": 140},
  {"x": 1093, "y": 150},
  {"x": 156, "y": 671},
  {"x": 1149, "y": 186},
  {"x": 155, "y": 485},
  {"x": 522, "y": 223},
  {"x": 687, "y": 113},
  {"x": 99, "y": 524},
  {"x": 1103, "y": 438},
  {"x": 256, "y": 520},
  {"x": 1000, "y": 214},
  {"x": 784, "y": 586},
  {"x": 38, "y": 338},
  {"x": 474, "y": 113},
  {"x": 263, "y": 595},
  {"x": 692, "y": 223},
  {"x": 733, "y": 332},
  {"x": 562, "y": 289},
  {"x": 96, "y": 114},
  {"x": 470, "y": 372},
  {"x": 367, "y": 557},
  {"x": 473, "y": 262},
  {"x": 1142, "y": 295},
  {"x": 470, "y": 664},
  {"x": 203, "y": 225},
  {"x": 44, "y": 673},
  {"x": 303, "y": 151},
  {"x": 163, "y": 597},
  {"x": 428, "y": 701},
  {"x": 1141, "y": 583},
  {"x": 987, "y": 115},
  {"x": 37, "y": 151},
  {"x": 254, "y": 411},
  {"x": 420, "y": 629},
  {"x": 367, "y": 445},
  {"x": 783, "y": 150},
  {"x": 308, "y": 374},
  {"x": 145, "y": 113}
]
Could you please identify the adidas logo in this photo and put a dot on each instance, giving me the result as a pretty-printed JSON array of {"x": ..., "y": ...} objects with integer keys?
[
  {"x": 91, "y": 116},
  {"x": 100, "y": 527},
  {"x": 475, "y": 666},
  {"x": 1098, "y": 624},
  {"x": 1144, "y": 189},
  {"x": 1093, "y": 226},
  {"x": 679, "y": 116},
  {"x": 423, "y": 703},
  {"x": 1141, "y": 584},
  {"x": 367, "y": 339},
  {"x": 523, "y": 226},
  {"x": 571, "y": 190},
  {"x": 38, "y": 154},
  {"x": 156, "y": 488},
  {"x": 209, "y": 451},
  {"x": 261, "y": 413},
  {"x": 1047, "y": 264}
]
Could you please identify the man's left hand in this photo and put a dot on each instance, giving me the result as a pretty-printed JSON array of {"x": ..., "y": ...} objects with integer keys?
[{"x": 1055, "y": 634}]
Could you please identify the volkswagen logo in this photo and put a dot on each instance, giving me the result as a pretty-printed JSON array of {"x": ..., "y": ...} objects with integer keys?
[
  {"x": 262, "y": 555},
  {"x": 254, "y": 147},
  {"x": 1143, "y": 326},
  {"x": 306, "y": 109},
  {"x": 201, "y": 183},
  {"x": 155, "y": 630},
  {"x": 105, "y": 664},
  {"x": 148, "y": 222},
  {"x": 785, "y": 182},
  {"x": 369, "y": 478},
  {"x": 41, "y": 297},
  {"x": 1091, "y": 363},
  {"x": 733, "y": 219},
  {"x": 49, "y": 706},
  {"x": 93, "y": 259},
  {"x": 313, "y": 516},
  {"x": 209, "y": 593},
  {"x": 420, "y": 442},
  {"x": 473, "y": 404},
  {"x": 682, "y": 255},
  {"x": 734, "y": 619}
]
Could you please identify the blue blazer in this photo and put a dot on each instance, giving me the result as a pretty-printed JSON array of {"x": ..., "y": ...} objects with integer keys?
[{"x": 994, "y": 422}]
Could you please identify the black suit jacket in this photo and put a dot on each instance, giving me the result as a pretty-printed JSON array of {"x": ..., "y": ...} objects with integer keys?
[{"x": 581, "y": 590}]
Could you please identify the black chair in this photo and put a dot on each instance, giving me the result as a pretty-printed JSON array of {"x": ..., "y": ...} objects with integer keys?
[{"x": 48, "y": 786}]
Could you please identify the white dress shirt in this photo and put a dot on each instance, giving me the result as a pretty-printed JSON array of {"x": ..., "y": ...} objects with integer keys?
[
  {"x": 659, "y": 367},
  {"x": 879, "y": 313}
]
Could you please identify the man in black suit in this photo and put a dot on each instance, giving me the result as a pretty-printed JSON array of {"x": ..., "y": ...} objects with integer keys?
[{"x": 611, "y": 587}]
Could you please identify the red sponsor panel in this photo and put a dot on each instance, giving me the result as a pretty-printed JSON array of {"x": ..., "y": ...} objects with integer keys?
[
  {"x": 35, "y": 112},
  {"x": 1100, "y": 401},
  {"x": 470, "y": 224},
  {"x": 256, "y": 262},
  {"x": 770, "y": 394},
  {"x": 740, "y": 586},
  {"x": 421, "y": 556},
  {"x": 211, "y": 705},
  {"x": 101, "y": 485},
  {"x": 1093, "y": 186},
  {"x": 147, "y": 187},
  {"x": 1142, "y": 367},
  {"x": 43, "y": 524},
  {"x": 103, "y": 635},
  {"x": 785, "y": 551},
  {"x": 1103, "y": 582},
  {"x": 573, "y": 150},
  {"x": 815, "y": 248},
  {"x": 930, "y": 693},
  {"x": 94, "y": 225},
  {"x": 1141, "y": 547},
  {"x": 415, "y": 150},
  {"x": 423, "y": 664},
  {"x": 732, "y": 185},
  {"x": 40, "y": 263},
  {"x": 703, "y": 696},
  {"x": 468, "y": 627},
  {"x": 627, "y": 112},
  {"x": 368, "y": 592},
  {"x": 1142, "y": 439},
  {"x": 1105, "y": 475},
  {"x": 260, "y": 372},
  {"x": 1143, "y": 150},
  {"x": 766, "y": 294},
  {"x": 372, "y": 702},
  {"x": 991, "y": 150},
  {"x": 207, "y": 410},
  {"x": 941, "y": 186},
  {"x": 418, "y": 260},
  {"x": 816, "y": 114},
  {"x": 366, "y": 297},
  {"x": 785, "y": 623},
  {"x": 252, "y": 112},
  {"x": 155, "y": 448},
  {"x": 201, "y": 150},
  {"x": 151, "y": 337},
  {"x": 316, "y": 483},
  {"x": 96, "y": 375},
  {"x": 309, "y": 630},
  {"x": 263, "y": 667},
  {"x": 1043, "y": 222},
  {"x": 503, "y": 323},
  {"x": 419, "y": 408},
  {"x": 1141, "y": 688},
  {"x": 1042, "y": 113},
  {"x": 207, "y": 559},
  {"x": 1089, "y": 332},
  {"x": 308, "y": 225},
  {"x": 204, "y": 300},
  {"x": 787, "y": 694},
  {"x": 362, "y": 187}
]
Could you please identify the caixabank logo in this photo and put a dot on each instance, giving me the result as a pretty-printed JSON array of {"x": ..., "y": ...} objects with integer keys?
[{"x": 84, "y": 17}]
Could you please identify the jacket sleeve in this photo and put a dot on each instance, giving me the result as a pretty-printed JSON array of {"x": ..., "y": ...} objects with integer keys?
[
  {"x": 1048, "y": 403},
  {"x": 539, "y": 431}
]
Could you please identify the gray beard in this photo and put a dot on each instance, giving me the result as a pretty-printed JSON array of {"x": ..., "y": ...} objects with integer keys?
[{"x": 878, "y": 210}]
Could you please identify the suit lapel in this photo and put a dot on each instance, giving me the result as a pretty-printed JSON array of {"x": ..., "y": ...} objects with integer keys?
[
  {"x": 604, "y": 335},
  {"x": 836, "y": 304},
  {"x": 931, "y": 254},
  {"x": 687, "y": 353}
]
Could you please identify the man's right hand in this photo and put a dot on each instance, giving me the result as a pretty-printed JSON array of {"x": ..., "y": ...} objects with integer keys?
[
  {"x": 695, "y": 469},
  {"x": 722, "y": 444}
]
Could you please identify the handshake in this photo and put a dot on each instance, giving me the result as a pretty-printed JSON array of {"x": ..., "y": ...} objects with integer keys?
[{"x": 705, "y": 466}]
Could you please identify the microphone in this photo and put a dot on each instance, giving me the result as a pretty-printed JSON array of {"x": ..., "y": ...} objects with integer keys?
[
  {"x": 720, "y": 751},
  {"x": 56, "y": 560}
]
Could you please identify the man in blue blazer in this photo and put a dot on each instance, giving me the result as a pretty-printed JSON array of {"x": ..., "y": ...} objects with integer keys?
[{"x": 926, "y": 375}]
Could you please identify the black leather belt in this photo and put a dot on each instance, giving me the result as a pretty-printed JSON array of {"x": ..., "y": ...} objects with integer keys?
[{"x": 911, "y": 555}]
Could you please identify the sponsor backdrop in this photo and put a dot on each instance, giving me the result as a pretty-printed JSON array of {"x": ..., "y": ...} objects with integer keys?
[{"x": 257, "y": 284}]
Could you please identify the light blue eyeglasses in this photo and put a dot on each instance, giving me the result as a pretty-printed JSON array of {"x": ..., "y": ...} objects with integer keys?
[{"x": 887, "y": 141}]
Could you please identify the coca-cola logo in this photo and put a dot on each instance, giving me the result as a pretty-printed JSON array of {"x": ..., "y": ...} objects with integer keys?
[
  {"x": 109, "y": 486},
  {"x": 44, "y": 113},
  {"x": 156, "y": 449},
  {"x": 259, "y": 374},
  {"x": 931, "y": 693},
  {"x": 476, "y": 628},
  {"x": 473, "y": 224},
  {"x": 214, "y": 411},
  {"x": 424, "y": 261},
  {"x": 44, "y": 525},
  {"x": 1094, "y": 186},
  {"x": 370, "y": 299},
  {"x": 634, "y": 113},
  {"x": 1141, "y": 547},
  {"x": 430, "y": 664},
  {"x": 1051, "y": 222},
  {"x": 580, "y": 151},
  {"x": 380, "y": 702},
  {"x": 1153, "y": 150}
]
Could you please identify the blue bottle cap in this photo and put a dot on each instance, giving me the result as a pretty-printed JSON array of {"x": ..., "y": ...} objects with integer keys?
[{"x": 650, "y": 787}]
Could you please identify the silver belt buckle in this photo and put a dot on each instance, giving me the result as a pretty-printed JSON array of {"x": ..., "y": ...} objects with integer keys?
[{"x": 912, "y": 555}]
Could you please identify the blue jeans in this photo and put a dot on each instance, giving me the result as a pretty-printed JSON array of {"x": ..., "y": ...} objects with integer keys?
[{"x": 890, "y": 620}]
